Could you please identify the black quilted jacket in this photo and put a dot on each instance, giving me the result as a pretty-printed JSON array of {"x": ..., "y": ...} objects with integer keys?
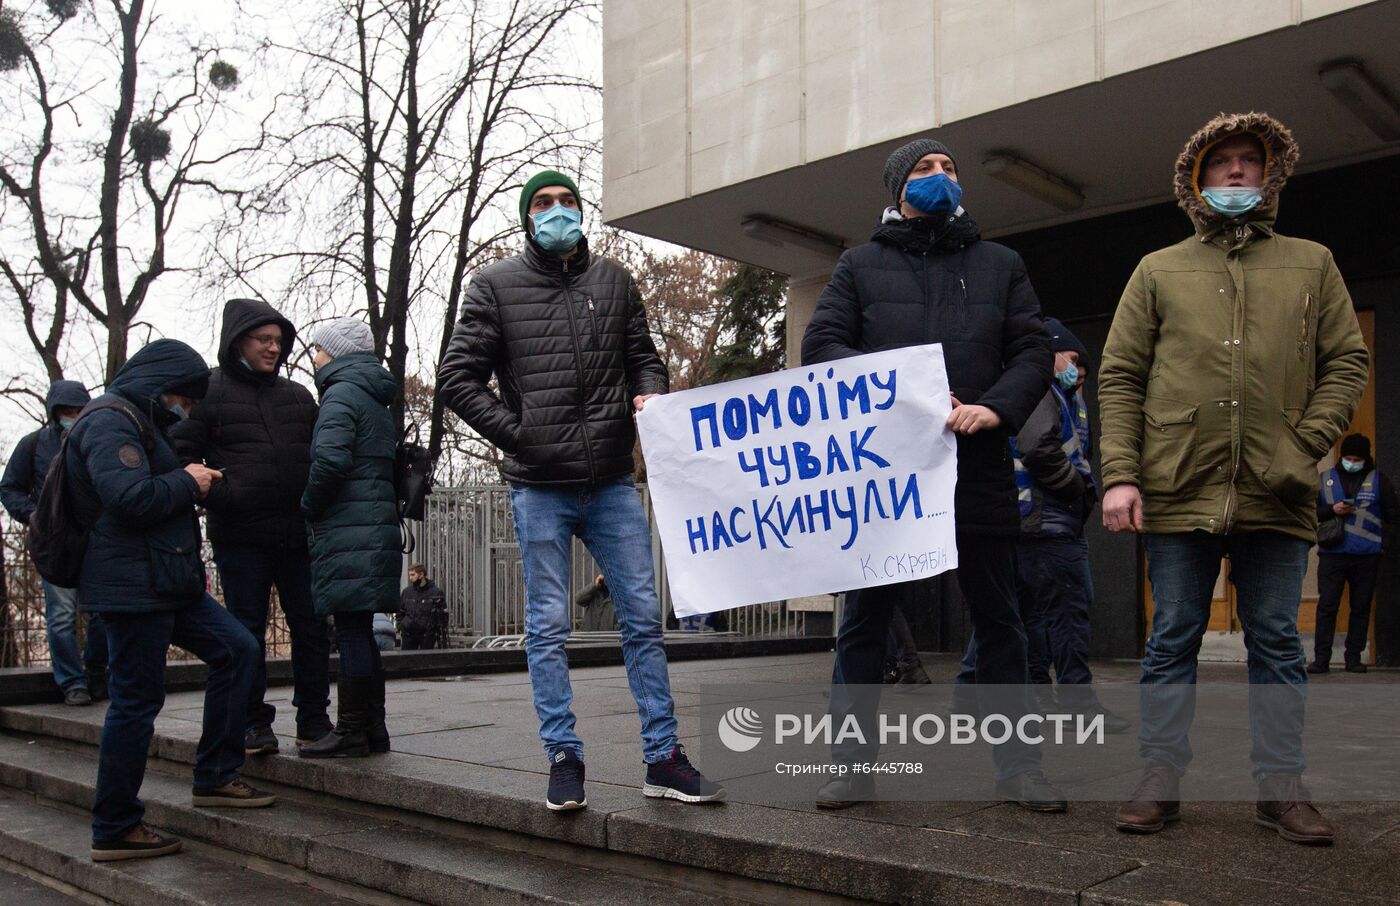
[
  {"x": 569, "y": 347},
  {"x": 256, "y": 428}
]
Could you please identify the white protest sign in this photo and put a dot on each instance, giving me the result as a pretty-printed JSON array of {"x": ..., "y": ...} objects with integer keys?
[{"x": 818, "y": 479}]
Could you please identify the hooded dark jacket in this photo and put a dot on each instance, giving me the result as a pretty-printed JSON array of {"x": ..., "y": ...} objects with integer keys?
[
  {"x": 569, "y": 347},
  {"x": 143, "y": 551},
  {"x": 418, "y": 607},
  {"x": 29, "y": 463},
  {"x": 350, "y": 503},
  {"x": 256, "y": 429},
  {"x": 934, "y": 280}
]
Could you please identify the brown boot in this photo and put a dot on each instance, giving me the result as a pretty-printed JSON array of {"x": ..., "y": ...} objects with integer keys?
[
  {"x": 1156, "y": 801},
  {"x": 1283, "y": 806}
]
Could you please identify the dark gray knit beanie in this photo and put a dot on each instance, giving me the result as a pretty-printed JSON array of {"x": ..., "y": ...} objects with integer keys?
[{"x": 903, "y": 160}]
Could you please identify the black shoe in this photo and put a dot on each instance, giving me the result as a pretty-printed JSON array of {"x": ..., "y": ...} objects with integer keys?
[
  {"x": 348, "y": 739},
  {"x": 1355, "y": 667},
  {"x": 236, "y": 794},
  {"x": 260, "y": 741},
  {"x": 566, "y": 782},
  {"x": 1319, "y": 667},
  {"x": 676, "y": 778},
  {"x": 97, "y": 686},
  {"x": 77, "y": 696},
  {"x": 1113, "y": 724},
  {"x": 313, "y": 731},
  {"x": 139, "y": 843},
  {"x": 844, "y": 792},
  {"x": 1030, "y": 790},
  {"x": 913, "y": 676},
  {"x": 375, "y": 731}
]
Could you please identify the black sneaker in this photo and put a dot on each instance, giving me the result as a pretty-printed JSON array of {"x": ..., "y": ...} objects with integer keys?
[
  {"x": 1356, "y": 667},
  {"x": 235, "y": 794},
  {"x": 139, "y": 843},
  {"x": 1113, "y": 724},
  {"x": 566, "y": 782},
  {"x": 77, "y": 696},
  {"x": 314, "y": 731},
  {"x": 1031, "y": 790},
  {"x": 260, "y": 741},
  {"x": 676, "y": 778},
  {"x": 1319, "y": 667}
]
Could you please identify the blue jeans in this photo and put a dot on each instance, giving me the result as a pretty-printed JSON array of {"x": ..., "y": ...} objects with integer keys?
[
  {"x": 354, "y": 639},
  {"x": 986, "y": 576},
  {"x": 613, "y": 526},
  {"x": 61, "y": 623},
  {"x": 139, "y": 642},
  {"x": 248, "y": 575},
  {"x": 1267, "y": 571}
]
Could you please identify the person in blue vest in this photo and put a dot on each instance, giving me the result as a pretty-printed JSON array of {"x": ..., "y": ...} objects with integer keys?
[
  {"x": 1365, "y": 500},
  {"x": 81, "y": 679}
]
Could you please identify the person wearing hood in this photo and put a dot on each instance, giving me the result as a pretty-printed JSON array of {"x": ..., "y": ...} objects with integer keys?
[
  {"x": 1359, "y": 495},
  {"x": 927, "y": 276},
  {"x": 81, "y": 679},
  {"x": 565, "y": 333},
  {"x": 142, "y": 571},
  {"x": 1234, "y": 362},
  {"x": 352, "y": 514},
  {"x": 254, "y": 426}
]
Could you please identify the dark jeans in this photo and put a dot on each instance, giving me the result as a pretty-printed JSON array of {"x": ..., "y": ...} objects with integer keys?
[
  {"x": 1267, "y": 571},
  {"x": 901, "y": 648},
  {"x": 138, "y": 643},
  {"x": 415, "y": 637},
  {"x": 248, "y": 575},
  {"x": 1333, "y": 572},
  {"x": 354, "y": 638},
  {"x": 986, "y": 575}
]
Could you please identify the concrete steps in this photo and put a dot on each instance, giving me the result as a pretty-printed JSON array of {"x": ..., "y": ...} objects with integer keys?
[{"x": 749, "y": 852}]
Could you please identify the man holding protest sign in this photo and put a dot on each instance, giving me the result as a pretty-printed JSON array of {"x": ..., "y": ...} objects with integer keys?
[
  {"x": 565, "y": 334},
  {"x": 926, "y": 277}
]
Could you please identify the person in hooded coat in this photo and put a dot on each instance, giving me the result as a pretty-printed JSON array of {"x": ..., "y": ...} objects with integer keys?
[
  {"x": 352, "y": 514},
  {"x": 80, "y": 679},
  {"x": 254, "y": 426},
  {"x": 142, "y": 571},
  {"x": 1234, "y": 362},
  {"x": 927, "y": 276}
]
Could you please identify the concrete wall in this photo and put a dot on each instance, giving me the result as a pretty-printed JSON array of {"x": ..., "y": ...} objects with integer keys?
[{"x": 702, "y": 94}]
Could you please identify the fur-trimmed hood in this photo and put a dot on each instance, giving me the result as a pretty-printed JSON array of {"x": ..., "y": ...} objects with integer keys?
[{"x": 1280, "y": 152}]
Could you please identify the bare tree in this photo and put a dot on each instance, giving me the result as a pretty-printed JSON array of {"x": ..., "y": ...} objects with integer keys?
[
  {"x": 420, "y": 117},
  {"x": 89, "y": 210}
]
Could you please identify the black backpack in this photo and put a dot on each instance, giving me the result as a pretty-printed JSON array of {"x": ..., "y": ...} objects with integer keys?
[
  {"x": 56, "y": 536},
  {"x": 413, "y": 476}
]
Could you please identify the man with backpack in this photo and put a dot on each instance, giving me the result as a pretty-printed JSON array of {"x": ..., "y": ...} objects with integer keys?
[
  {"x": 81, "y": 679},
  {"x": 123, "y": 485},
  {"x": 254, "y": 426}
]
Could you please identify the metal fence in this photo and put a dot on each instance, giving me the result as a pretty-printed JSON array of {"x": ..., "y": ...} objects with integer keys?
[{"x": 467, "y": 541}]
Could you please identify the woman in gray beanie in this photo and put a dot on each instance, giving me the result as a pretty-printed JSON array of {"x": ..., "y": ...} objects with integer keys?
[{"x": 351, "y": 510}]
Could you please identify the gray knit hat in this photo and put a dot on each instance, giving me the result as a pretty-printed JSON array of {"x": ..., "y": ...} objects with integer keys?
[
  {"x": 342, "y": 336},
  {"x": 905, "y": 157}
]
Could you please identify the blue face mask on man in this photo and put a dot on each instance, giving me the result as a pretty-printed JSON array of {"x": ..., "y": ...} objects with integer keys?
[
  {"x": 558, "y": 229},
  {"x": 936, "y": 194},
  {"x": 1353, "y": 466},
  {"x": 1069, "y": 377},
  {"x": 66, "y": 423},
  {"x": 1232, "y": 201}
]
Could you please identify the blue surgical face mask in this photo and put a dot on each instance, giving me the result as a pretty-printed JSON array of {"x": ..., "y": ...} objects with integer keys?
[
  {"x": 558, "y": 229},
  {"x": 1069, "y": 377},
  {"x": 936, "y": 194},
  {"x": 66, "y": 423},
  {"x": 1232, "y": 201},
  {"x": 1353, "y": 466},
  {"x": 179, "y": 411}
]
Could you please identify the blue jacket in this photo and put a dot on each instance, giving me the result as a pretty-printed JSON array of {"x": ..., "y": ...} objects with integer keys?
[
  {"x": 1054, "y": 480},
  {"x": 29, "y": 463},
  {"x": 350, "y": 503},
  {"x": 143, "y": 552}
]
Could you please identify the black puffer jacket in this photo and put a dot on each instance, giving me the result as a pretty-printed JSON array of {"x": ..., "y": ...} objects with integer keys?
[
  {"x": 933, "y": 280},
  {"x": 255, "y": 428},
  {"x": 569, "y": 346},
  {"x": 418, "y": 607},
  {"x": 29, "y": 463}
]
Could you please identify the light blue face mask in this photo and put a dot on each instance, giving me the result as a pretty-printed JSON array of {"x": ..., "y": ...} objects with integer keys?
[
  {"x": 1069, "y": 377},
  {"x": 179, "y": 411},
  {"x": 1353, "y": 466},
  {"x": 1232, "y": 201},
  {"x": 66, "y": 423},
  {"x": 558, "y": 229}
]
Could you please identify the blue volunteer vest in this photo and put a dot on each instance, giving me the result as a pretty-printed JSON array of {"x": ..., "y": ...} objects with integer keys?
[
  {"x": 1362, "y": 533},
  {"x": 1074, "y": 441}
]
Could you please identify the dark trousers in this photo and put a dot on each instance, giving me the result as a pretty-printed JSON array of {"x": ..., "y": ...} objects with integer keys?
[
  {"x": 901, "y": 648},
  {"x": 987, "y": 577},
  {"x": 248, "y": 575},
  {"x": 415, "y": 636},
  {"x": 1334, "y": 571},
  {"x": 354, "y": 639},
  {"x": 138, "y": 644}
]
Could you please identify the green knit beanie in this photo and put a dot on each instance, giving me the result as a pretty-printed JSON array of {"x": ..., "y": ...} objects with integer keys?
[{"x": 539, "y": 181}]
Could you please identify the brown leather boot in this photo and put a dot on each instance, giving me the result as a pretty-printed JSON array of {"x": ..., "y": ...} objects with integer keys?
[
  {"x": 1155, "y": 802},
  {"x": 1283, "y": 806}
]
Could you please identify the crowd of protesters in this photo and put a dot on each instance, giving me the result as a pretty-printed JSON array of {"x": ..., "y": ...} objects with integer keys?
[{"x": 1219, "y": 394}]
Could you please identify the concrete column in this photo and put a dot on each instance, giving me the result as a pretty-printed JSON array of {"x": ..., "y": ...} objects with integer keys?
[{"x": 802, "y": 296}]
